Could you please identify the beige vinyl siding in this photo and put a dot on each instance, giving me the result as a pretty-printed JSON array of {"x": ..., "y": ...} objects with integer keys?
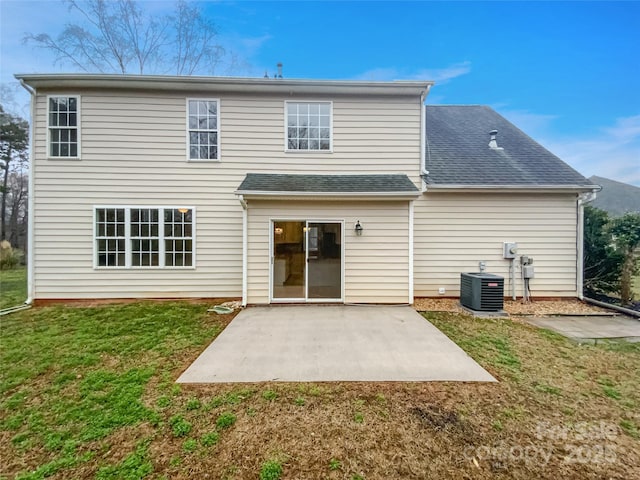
[
  {"x": 376, "y": 263},
  {"x": 133, "y": 153},
  {"x": 454, "y": 231}
]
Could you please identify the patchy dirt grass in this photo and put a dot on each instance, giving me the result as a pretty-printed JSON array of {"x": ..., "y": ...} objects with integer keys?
[{"x": 90, "y": 393}]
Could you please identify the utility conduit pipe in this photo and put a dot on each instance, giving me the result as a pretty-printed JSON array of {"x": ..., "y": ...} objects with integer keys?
[{"x": 513, "y": 278}]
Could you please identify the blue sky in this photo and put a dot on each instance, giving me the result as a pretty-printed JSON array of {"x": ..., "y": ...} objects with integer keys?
[{"x": 567, "y": 73}]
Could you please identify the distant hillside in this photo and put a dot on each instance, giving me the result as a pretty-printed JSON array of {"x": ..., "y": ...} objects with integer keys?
[{"x": 616, "y": 198}]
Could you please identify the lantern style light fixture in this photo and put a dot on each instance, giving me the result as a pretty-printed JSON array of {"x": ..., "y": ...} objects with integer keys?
[{"x": 358, "y": 228}]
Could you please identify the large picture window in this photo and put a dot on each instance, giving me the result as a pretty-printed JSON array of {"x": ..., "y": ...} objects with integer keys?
[
  {"x": 62, "y": 119},
  {"x": 308, "y": 126},
  {"x": 203, "y": 129},
  {"x": 139, "y": 237}
]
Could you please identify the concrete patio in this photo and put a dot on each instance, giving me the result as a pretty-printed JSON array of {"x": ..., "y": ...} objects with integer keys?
[
  {"x": 332, "y": 343},
  {"x": 591, "y": 328}
]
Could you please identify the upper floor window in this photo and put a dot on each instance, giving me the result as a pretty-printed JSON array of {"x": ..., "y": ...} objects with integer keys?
[
  {"x": 308, "y": 126},
  {"x": 203, "y": 129},
  {"x": 63, "y": 126}
]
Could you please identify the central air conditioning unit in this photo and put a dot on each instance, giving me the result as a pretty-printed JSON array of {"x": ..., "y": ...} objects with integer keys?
[{"x": 482, "y": 291}]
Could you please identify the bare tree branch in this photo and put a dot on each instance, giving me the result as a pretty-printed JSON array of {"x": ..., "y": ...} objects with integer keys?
[{"x": 119, "y": 36}]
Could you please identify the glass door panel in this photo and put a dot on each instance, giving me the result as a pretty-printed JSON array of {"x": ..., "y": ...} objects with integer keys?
[
  {"x": 324, "y": 260},
  {"x": 289, "y": 260}
]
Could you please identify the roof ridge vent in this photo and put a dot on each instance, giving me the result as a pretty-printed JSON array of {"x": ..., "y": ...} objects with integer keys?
[{"x": 493, "y": 143}]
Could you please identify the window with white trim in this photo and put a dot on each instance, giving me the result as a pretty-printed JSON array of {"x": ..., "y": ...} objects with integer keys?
[
  {"x": 145, "y": 239},
  {"x": 110, "y": 237},
  {"x": 203, "y": 129},
  {"x": 178, "y": 237},
  {"x": 139, "y": 237},
  {"x": 308, "y": 126},
  {"x": 62, "y": 119}
]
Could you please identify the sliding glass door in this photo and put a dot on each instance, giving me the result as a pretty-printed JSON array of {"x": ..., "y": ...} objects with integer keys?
[
  {"x": 288, "y": 260},
  {"x": 324, "y": 261},
  {"x": 307, "y": 261}
]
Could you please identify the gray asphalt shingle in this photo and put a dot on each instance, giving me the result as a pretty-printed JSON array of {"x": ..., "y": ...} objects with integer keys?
[
  {"x": 267, "y": 182},
  {"x": 458, "y": 151}
]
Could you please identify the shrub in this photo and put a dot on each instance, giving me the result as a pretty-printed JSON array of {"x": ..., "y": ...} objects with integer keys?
[{"x": 10, "y": 257}]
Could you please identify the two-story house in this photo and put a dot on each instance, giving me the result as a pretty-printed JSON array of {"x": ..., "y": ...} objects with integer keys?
[{"x": 278, "y": 190}]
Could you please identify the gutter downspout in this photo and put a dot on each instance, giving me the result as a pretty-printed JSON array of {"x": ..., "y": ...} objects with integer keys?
[
  {"x": 423, "y": 139},
  {"x": 423, "y": 171},
  {"x": 244, "y": 249},
  {"x": 411, "y": 252},
  {"x": 583, "y": 198},
  {"x": 30, "y": 199}
]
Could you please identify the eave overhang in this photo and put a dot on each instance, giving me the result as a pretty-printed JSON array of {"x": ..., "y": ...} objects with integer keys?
[
  {"x": 283, "y": 186},
  {"x": 223, "y": 84}
]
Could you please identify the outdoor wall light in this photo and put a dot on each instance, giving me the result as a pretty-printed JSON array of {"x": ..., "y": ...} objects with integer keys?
[{"x": 358, "y": 228}]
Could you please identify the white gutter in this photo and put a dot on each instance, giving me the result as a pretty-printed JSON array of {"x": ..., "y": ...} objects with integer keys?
[
  {"x": 30, "y": 198},
  {"x": 510, "y": 188},
  {"x": 324, "y": 195},
  {"x": 244, "y": 249},
  {"x": 228, "y": 84},
  {"x": 582, "y": 199}
]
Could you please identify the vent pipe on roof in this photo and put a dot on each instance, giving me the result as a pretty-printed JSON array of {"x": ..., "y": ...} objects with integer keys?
[
  {"x": 275, "y": 75},
  {"x": 493, "y": 143}
]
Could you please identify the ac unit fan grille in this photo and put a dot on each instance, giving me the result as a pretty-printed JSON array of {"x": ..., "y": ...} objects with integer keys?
[{"x": 482, "y": 291}]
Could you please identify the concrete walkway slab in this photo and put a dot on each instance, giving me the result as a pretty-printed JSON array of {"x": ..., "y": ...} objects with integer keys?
[
  {"x": 332, "y": 343},
  {"x": 591, "y": 328}
]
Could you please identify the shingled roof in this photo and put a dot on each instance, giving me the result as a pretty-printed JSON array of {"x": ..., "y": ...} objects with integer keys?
[
  {"x": 326, "y": 184},
  {"x": 458, "y": 152}
]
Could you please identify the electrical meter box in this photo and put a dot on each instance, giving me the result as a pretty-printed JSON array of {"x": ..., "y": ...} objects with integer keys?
[
  {"x": 510, "y": 249},
  {"x": 527, "y": 271}
]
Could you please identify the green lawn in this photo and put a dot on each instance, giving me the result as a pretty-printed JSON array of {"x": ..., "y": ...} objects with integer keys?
[
  {"x": 89, "y": 393},
  {"x": 13, "y": 287}
]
